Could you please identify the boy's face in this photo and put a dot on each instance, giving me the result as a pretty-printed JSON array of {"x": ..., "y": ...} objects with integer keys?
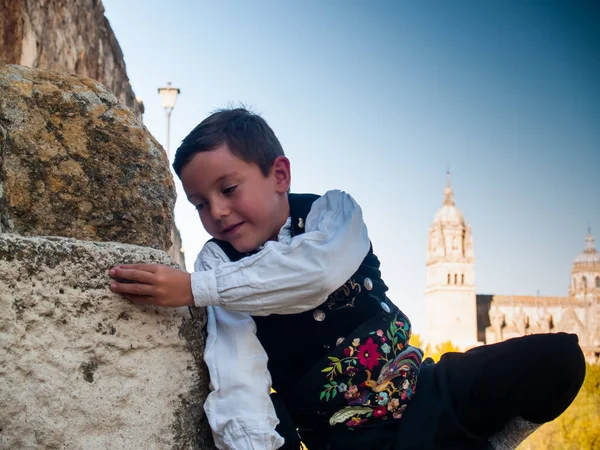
[{"x": 235, "y": 201}]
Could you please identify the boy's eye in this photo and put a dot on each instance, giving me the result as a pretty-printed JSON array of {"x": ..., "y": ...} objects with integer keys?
[
  {"x": 229, "y": 190},
  {"x": 199, "y": 206}
]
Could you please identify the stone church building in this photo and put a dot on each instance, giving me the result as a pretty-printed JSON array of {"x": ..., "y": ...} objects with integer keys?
[{"x": 455, "y": 312}]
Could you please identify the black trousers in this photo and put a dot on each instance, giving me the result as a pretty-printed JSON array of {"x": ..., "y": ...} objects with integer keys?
[
  {"x": 471, "y": 396},
  {"x": 466, "y": 398}
]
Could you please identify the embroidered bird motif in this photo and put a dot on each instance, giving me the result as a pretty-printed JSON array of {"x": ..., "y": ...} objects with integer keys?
[
  {"x": 374, "y": 385},
  {"x": 408, "y": 360}
]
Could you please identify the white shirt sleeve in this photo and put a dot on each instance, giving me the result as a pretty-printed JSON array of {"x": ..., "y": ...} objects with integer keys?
[
  {"x": 291, "y": 275},
  {"x": 239, "y": 409}
]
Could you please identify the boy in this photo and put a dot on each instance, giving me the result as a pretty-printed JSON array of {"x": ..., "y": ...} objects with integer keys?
[{"x": 336, "y": 348}]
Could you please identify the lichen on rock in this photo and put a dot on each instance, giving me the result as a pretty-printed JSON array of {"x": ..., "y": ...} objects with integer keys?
[{"x": 74, "y": 162}]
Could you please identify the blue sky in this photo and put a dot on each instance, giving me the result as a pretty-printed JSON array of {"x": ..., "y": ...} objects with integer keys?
[{"x": 378, "y": 98}]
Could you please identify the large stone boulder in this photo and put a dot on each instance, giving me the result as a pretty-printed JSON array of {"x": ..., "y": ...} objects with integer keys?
[
  {"x": 74, "y": 162},
  {"x": 82, "y": 368}
]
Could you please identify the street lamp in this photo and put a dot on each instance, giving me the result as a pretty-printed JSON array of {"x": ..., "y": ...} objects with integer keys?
[{"x": 168, "y": 95}]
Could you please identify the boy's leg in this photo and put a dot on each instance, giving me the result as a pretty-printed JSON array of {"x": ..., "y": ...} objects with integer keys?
[{"x": 535, "y": 378}]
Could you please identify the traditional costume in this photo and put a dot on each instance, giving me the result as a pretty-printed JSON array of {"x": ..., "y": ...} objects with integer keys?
[{"x": 345, "y": 373}]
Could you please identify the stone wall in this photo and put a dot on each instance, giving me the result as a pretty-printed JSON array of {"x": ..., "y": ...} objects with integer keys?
[
  {"x": 81, "y": 367},
  {"x": 70, "y": 36}
]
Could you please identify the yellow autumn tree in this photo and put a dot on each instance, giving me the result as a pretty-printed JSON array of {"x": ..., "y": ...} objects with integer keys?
[
  {"x": 437, "y": 351},
  {"x": 440, "y": 349},
  {"x": 416, "y": 341}
]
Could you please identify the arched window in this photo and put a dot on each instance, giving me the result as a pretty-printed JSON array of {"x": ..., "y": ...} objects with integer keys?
[
  {"x": 448, "y": 278},
  {"x": 583, "y": 282},
  {"x": 455, "y": 278},
  {"x": 462, "y": 278},
  {"x": 574, "y": 284},
  {"x": 597, "y": 282}
]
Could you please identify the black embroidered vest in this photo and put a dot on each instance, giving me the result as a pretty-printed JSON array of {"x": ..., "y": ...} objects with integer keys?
[{"x": 295, "y": 343}]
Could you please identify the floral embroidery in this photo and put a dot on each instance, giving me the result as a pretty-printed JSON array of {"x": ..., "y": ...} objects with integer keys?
[
  {"x": 379, "y": 412},
  {"x": 355, "y": 421},
  {"x": 351, "y": 393},
  {"x": 393, "y": 404},
  {"x": 376, "y": 374},
  {"x": 368, "y": 355},
  {"x": 398, "y": 413},
  {"x": 383, "y": 398}
]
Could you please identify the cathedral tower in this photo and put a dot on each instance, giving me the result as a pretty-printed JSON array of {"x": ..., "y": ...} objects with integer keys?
[
  {"x": 450, "y": 303},
  {"x": 585, "y": 274},
  {"x": 585, "y": 293}
]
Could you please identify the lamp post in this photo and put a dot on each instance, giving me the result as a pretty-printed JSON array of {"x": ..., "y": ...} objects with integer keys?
[{"x": 168, "y": 95}]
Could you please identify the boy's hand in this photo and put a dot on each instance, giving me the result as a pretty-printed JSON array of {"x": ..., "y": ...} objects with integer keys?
[{"x": 152, "y": 283}]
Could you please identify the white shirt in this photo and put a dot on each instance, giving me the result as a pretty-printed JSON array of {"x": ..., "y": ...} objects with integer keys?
[{"x": 289, "y": 276}]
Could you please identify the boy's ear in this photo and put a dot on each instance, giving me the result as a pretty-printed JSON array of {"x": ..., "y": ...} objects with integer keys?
[{"x": 281, "y": 173}]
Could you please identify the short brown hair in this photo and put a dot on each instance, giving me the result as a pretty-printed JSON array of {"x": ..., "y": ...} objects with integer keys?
[{"x": 247, "y": 135}]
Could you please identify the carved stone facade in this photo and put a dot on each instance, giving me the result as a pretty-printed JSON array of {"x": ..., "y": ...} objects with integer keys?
[
  {"x": 451, "y": 302},
  {"x": 578, "y": 313}
]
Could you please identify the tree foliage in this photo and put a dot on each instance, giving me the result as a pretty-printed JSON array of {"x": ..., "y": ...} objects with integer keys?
[
  {"x": 435, "y": 352},
  {"x": 416, "y": 341}
]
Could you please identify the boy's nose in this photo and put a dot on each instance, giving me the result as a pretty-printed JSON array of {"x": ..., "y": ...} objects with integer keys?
[{"x": 219, "y": 210}]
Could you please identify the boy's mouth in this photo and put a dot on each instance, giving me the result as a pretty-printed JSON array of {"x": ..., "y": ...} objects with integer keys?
[{"x": 232, "y": 229}]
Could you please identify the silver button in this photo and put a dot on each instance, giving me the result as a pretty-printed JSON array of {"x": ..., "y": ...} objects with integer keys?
[
  {"x": 339, "y": 341},
  {"x": 385, "y": 307},
  {"x": 319, "y": 315},
  {"x": 368, "y": 284}
]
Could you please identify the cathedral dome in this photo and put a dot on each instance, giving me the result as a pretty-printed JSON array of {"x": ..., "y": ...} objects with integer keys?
[
  {"x": 589, "y": 256},
  {"x": 449, "y": 214},
  {"x": 450, "y": 237}
]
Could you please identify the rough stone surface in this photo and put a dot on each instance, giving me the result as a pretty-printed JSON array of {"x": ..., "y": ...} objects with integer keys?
[
  {"x": 67, "y": 36},
  {"x": 82, "y": 368},
  {"x": 74, "y": 162}
]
